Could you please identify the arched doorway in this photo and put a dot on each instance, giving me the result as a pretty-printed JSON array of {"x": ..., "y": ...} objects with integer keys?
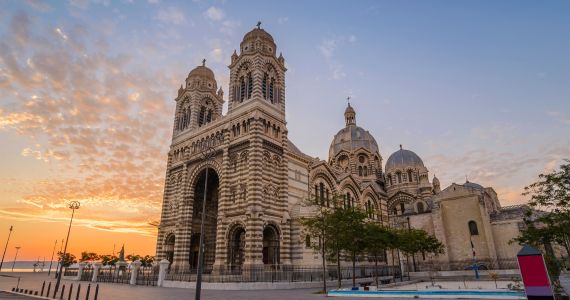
[
  {"x": 270, "y": 245},
  {"x": 169, "y": 248},
  {"x": 210, "y": 221},
  {"x": 236, "y": 248}
]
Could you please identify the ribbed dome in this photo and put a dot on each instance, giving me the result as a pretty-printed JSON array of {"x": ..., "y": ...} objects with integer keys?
[
  {"x": 403, "y": 158},
  {"x": 202, "y": 71},
  {"x": 351, "y": 138},
  {"x": 258, "y": 33}
]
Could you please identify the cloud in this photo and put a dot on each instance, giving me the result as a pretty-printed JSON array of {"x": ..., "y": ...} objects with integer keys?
[
  {"x": 39, "y": 5},
  {"x": 328, "y": 47},
  {"x": 96, "y": 117},
  {"x": 560, "y": 117},
  {"x": 215, "y": 14},
  {"x": 171, "y": 15},
  {"x": 282, "y": 20}
]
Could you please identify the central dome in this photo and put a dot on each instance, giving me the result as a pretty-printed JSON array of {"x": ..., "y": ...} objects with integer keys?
[{"x": 352, "y": 137}]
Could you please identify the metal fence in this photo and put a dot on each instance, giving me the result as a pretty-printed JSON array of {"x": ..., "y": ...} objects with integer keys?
[
  {"x": 147, "y": 276},
  {"x": 70, "y": 272},
  {"x": 458, "y": 265},
  {"x": 281, "y": 274},
  {"x": 113, "y": 274}
]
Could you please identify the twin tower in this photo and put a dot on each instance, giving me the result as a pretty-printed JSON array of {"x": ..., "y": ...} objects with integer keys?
[{"x": 245, "y": 153}]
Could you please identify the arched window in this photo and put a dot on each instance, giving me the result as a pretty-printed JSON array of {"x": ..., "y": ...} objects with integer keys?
[
  {"x": 399, "y": 175},
  {"x": 409, "y": 175},
  {"x": 390, "y": 179},
  {"x": 402, "y": 207},
  {"x": 359, "y": 171},
  {"x": 249, "y": 85},
  {"x": 209, "y": 116},
  {"x": 420, "y": 207},
  {"x": 308, "y": 241},
  {"x": 242, "y": 89},
  {"x": 473, "y": 228},
  {"x": 328, "y": 199},
  {"x": 316, "y": 194},
  {"x": 322, "y": 193},
  {"x": 264, "y": 85},
  {"x": 271, "y": 92},
  {"x": 394, "y": 211},
  {"x": 365, "y": 171},
  {"x": 201, "y": 117}
]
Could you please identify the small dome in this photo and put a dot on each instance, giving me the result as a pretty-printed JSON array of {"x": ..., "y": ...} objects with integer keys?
[
  {"x": 258, "y": 33},
  {"x": 351, "y": 138},
  {"x": 258, "y": 40},
  {"x": 202, "y": 71},
  {"x": 403, "y": 158},
  {"x": 473, "y": 185}
]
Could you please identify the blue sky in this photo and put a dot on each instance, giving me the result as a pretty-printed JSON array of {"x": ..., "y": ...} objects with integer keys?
[{"x": 478, "y": 89}]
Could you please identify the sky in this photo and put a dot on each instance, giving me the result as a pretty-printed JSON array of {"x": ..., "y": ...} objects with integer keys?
[{"x": 477, "y": 89}]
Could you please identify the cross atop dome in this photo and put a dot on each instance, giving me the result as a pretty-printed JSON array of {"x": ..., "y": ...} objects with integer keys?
[
  {"x": 203, "y": 62},
  {"x": 258, "y": 25}
]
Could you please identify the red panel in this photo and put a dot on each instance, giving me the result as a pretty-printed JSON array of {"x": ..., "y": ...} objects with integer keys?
[{"x": 533, "y": 271}]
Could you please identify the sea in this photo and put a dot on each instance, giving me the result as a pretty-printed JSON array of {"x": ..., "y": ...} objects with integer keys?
[{"x": 27, "y": 266}]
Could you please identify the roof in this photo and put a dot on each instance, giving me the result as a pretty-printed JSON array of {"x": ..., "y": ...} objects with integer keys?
[
  {"x": 202, "y": 71},
  {"x": 403, "y": 158},
  {"x": 473, "y": 185}
]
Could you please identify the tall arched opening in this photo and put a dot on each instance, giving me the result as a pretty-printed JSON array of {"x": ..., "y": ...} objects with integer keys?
[
  {"x": 210, "y": 221},
  {"x": 236, "y": 248},
  {"x": 270, "y": 245}
]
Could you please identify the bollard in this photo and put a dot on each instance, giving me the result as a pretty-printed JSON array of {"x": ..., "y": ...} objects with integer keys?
[
  {"x": 35, "y": 293},
  {"x": 96, "y": 292},
  {"x": 49, "y": 288},
  {"x": 78, "y": 291},
  {"x": 88, "y": 290},
  {"x": 62, "y": 292},
  {"x": 70, "y": 291},
  {"x": 13, "y": 289},
  {"x": 43, "y": 286},
  {"x": 25, "y": 291}
]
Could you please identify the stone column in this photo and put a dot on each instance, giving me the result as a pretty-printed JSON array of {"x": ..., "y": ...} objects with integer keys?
[
  {"x": 135, "y": 265},
  {"x": 80, "y": 270},
  {"x": 96, "y": 267},
  {"x": 163, "y": 268}
]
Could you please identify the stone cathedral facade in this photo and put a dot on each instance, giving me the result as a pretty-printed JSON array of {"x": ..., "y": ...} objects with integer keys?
[{"x": 258, "y": 181}]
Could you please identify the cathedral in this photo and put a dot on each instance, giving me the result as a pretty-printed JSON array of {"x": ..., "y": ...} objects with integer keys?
[{"x": 256, "y": 182}]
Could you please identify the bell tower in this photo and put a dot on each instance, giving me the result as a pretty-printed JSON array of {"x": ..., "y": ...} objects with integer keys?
[
  {"x": 257, "y": 75},
  {"x": 198, "y": 103}
]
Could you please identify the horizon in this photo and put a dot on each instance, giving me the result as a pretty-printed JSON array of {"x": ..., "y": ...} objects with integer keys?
[{"x": 478, "y": 90}]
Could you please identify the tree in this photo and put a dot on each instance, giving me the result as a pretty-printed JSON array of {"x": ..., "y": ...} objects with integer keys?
[
  {"x": 147, "y": 261},
  {"x": 109, "y": 260},
  {"x": 133, "y": 257},
  {"x": 548, "y": 219},
  {"x": 88, "y": 256},
  {"x": 412, "y": 241},
  {"x": 378, "y": 240},
  {"x": 352, "y": 234},
  {"x": 66, "y": 259},
  {"x": 316, "y": 227}
]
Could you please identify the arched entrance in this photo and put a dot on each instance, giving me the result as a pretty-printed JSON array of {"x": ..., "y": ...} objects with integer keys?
[
  {"x": 236, "y": 248},
  {"x": 210, "y": 221},
  {"x": 270, "y": 245},
  {"x": 169, "y": 248}
]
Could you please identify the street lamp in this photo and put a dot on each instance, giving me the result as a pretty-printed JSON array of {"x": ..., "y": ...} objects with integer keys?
[
  {"x": 16, "y": 256},
  {"x": 6, "y": 247},
  {"x": 73, "y": 205},
  {"x": 207, "y": 154},
  {"x": 51, "y": 261}
]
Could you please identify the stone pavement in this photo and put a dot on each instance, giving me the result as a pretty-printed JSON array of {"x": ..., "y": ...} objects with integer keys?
[
  {"x": 10, "y": 296},
  {"x": 565, "y": 281},
  {"x": 112, "y": 291}
]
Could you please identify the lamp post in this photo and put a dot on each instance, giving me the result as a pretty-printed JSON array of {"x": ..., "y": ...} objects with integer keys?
[
  {"x": 207, "y": 154},
  {"x": 15, "y": 257},
  {"x": 52, "y": 253},
  {"x": 6, "y": 247},
  {"x": 73, "y": 205}
]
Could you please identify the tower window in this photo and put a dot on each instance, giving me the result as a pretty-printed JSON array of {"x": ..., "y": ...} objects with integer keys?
[
  {"x": 242, "y": 89},
  {"x": 322, "y": 193},
  {"x": 399, "y": 175},
  {"x": 473, "y": 230},
  {"x": 402, "y": 207},
  {"x": 264, "y": 85},
  {"x": 209, "y": 116},
  {"x": 249, "y": 85},
  {"x": 308, "y": 241},
  {"x": 360, "y": 171},
  {"x": 409, "y": 175},
  {"x": 201, "y": 116},
  {"x": 271, "y": 86}
]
